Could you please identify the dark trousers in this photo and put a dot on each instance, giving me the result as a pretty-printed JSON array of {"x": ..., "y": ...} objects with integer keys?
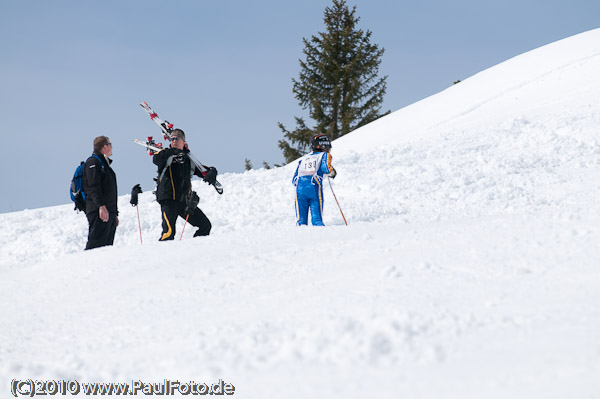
[
  {"x": 101, "y": 233},
  {"x": 171, "y": 209}
]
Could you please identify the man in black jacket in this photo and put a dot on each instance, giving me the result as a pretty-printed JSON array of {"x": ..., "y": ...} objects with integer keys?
[
  {"x": 100, "y": 185},
  {"x": 174, "y": 192}
]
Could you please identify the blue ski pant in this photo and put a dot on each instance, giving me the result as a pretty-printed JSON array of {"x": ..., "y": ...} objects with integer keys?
[{"x": 310, "y": 197}]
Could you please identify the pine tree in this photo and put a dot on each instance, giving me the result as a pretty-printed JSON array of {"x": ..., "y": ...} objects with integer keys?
[{"x": 338, "y": 81}]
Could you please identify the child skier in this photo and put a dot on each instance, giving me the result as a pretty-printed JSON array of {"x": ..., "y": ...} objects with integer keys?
[{"x": 308, "y": 180}]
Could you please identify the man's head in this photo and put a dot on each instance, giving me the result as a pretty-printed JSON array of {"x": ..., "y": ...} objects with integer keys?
[
  {"x": 178, "y": 139},
  {"x": 103, "y": 145}
]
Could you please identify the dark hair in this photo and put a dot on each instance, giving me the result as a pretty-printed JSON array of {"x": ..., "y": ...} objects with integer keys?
[
  {"x": 100, "y": 142},
  {"x": 178, "y": 133}
]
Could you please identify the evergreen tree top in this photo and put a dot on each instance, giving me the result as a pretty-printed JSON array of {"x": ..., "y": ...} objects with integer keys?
[{"x": 338, "y": 81}]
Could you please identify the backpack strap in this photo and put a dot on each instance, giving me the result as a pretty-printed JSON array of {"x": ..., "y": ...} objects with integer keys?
[
  {"x": 101, "y": 162},
  {"x": 167, "y": 164},
  {"x": 192, "y": 170}
]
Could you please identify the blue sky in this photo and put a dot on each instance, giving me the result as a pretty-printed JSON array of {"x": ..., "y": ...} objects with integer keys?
[{"x": 221, "y": 71}]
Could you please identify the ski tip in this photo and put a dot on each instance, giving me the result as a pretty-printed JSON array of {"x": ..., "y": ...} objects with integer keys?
[{"x": 218, "y": 188}]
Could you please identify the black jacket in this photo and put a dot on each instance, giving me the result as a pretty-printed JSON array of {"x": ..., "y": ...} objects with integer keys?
[
  {"x": 99, "y": 184},
  {"x": 174, "y": 176}
]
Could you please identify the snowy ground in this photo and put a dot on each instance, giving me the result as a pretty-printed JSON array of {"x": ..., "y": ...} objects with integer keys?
[{"x": 470, "y": 267}]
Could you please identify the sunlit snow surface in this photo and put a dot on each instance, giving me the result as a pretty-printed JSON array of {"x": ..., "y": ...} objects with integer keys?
[{"x": 470, "y": 267}]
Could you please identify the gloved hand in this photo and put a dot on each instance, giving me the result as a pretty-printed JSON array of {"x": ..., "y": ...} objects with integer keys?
[
  {"x": 333, "y": 174},
  {"x": 134, "y": 194},
  {"x": 211, "y": 175},
  {"x": 191, "y": 202}
]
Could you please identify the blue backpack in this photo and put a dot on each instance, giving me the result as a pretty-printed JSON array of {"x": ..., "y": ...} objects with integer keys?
[{"x": 77, "y": 193}]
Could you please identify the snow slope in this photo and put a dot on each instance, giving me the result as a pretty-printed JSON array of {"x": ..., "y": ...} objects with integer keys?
[{"x": 470, "y": 266}]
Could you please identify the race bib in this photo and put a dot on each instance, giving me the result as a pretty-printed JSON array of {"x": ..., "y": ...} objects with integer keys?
[{"x": 310, "y": 164}]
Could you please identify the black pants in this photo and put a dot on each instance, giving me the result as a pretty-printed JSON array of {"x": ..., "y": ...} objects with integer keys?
[
  {"x": 171, "y": 209},
  {"x": 101, "y": 233}
]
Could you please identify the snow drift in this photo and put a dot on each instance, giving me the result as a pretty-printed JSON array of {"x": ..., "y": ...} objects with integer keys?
[{"x": 469, "y": 267}]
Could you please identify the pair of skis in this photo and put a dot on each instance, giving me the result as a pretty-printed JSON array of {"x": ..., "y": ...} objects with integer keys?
[{"x": 167, "y": 128}]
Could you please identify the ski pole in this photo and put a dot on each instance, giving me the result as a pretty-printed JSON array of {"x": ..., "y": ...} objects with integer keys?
[
  {"x": 182, "y": 230},
  {"x": 139, "y": 224},
  {"x": 338, "y": 204}
]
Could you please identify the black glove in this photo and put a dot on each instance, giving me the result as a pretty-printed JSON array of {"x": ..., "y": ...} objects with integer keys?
[
  {"x": 211, "y": 175},
  {"x": 191, "y": 202},
  {"x": 134, "y": 194},
  {"x": 333, "y": 174}
]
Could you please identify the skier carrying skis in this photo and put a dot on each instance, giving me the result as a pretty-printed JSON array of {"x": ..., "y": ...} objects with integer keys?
[
  {"x": 174, "y": 192},
  {"x": 308, "y": 180}
]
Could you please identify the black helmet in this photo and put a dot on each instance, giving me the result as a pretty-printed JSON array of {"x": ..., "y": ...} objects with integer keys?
[{"x": 320, "y": 142}]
